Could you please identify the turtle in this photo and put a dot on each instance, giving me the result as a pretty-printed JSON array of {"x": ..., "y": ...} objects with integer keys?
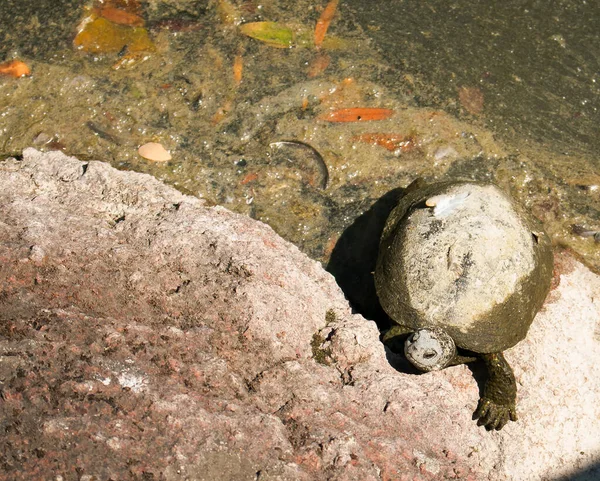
[{"x": 461, "y": 272}]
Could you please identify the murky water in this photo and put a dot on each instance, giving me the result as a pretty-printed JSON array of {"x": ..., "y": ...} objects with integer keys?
[
  {"x": 536, "y": 63},
  {"x": 504, "y": 91}
]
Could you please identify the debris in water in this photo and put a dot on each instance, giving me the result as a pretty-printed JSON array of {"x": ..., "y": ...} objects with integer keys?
[
  {"x": 393, "y": 142},
  {"x": 100, "y": 35},
  {"x": 318, "y": 65},
  {"x": 180, "y": 25},
  {"x": 471, "y": 98},
  {"x": 238, "y": 66},
  {"x": 271, "y": 33},
  {"x": 314, "y": 154},
  {"x": 103, "y": 134},
  {"x": 155, "y": 152},
  {"x": 356, "y": 114},
  {"x": 228, "y": 13},
  {"x": 324, "y": 21},
  {"x": 251, "y": 177},
  {"x": 122, "y": 17},
  {"x": 583, "y": 232},
  {"x": 129, "y": 60},
  {"x": 15, "y": 68}
]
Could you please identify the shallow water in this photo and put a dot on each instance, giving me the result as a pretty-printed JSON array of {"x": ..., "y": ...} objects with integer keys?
[
  {"x": 484, "y": 90},
  {"x": 536, "y": 63}
]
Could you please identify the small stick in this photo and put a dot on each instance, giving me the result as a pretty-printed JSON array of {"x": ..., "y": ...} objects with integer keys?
[{"x": 322, "y": 167}]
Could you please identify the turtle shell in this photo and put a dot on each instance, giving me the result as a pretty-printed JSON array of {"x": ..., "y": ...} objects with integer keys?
[{"x": 464, "y": 257}]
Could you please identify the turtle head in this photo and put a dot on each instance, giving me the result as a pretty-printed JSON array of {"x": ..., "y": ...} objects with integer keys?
[{"x": 430, "y": 349}]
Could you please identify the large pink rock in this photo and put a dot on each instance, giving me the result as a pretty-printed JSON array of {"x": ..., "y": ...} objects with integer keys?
[{"x": 146, "y": 336}]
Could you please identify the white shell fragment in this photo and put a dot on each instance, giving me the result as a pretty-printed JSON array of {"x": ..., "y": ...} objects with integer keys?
[
  {"x": 445, "y": 204},
  {"x": 155, "y": 152}
]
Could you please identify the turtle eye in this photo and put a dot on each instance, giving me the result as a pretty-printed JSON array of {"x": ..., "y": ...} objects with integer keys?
[{"x": 429, "y": 354}]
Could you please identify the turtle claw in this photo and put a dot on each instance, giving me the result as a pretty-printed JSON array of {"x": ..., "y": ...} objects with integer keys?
[{"x": 492, "y": 415}]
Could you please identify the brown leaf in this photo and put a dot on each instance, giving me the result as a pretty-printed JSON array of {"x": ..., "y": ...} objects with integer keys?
[{"x": 471, "y": 98}]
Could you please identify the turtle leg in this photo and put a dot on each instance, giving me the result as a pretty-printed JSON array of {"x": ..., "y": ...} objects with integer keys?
[
  {"x": 462, "y": 359},
  {"x": 497, "y": 405}
]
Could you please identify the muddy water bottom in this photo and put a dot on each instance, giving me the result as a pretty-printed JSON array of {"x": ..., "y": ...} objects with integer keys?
[{"x": 228, "y": 137}]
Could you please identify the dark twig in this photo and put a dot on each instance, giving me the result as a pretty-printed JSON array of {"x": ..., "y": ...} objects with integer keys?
[{"x": 319, "y": 162}]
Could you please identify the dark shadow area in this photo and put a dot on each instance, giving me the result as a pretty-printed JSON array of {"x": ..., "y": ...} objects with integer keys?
[
  {"x": 399, "y": 362},
  {"x": 16, "y": 156},
  {"x": 480, "y": 374},
  {"x": 352, "y": 263},
  {"x": 591, "y": 473},
  {"x": 353, "y": 259}
]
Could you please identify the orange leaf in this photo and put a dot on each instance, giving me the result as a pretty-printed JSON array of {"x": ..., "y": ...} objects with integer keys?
[
  {"x": 15, "y": 68},
  {"x": 324, "y": 21},
  {"x": 116, "y": 15},
  {"x": 238, "y": 66},
  {"x": 391, "y": 142},
  {"x": 356, "y": 114},
  {"x": 249, "y": 178}
]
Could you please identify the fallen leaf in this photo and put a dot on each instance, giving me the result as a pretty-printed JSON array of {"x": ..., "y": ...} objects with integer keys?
[
  {"x": 318, "y": 65},
  {"x": 103, "y": 36},
  {"x": 471, "y": 98},
  {"x": 356, "y": 114},
  {"x": 324, "y": 21},
  {"x": 221, "y": 112},
  {"x": 391, "y": 142},
  {"x": 155, "y": 152},
  {"x": 15, "y": 68},
  {"x": 122, "y": 17},
  {"x": 249, "y": 178},
  {"x": 238, "y": 66},
  {"x": 228, "y": 14},
  {"x": 272, "y": 33}
]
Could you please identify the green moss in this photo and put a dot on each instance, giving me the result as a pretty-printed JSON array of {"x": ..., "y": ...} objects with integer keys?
[{"x": 322, "y": 356}]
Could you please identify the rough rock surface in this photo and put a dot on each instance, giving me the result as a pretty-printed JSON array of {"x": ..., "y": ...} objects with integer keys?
[{"x": 146, "y": 336}]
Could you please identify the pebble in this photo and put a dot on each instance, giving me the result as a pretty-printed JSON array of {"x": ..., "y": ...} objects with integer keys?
[{"x": 155, "y": 152}]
